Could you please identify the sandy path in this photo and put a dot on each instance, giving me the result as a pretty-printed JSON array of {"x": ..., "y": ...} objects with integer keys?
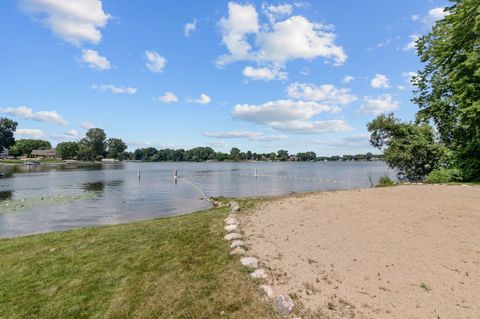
[{"x": 399, "y": 252}]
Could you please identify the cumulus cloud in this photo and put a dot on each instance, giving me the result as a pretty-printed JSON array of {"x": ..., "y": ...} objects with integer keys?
[
  {"x": 203, "y": 99},
  {"x": 168, "y": 97},
  {"x": 250, "y": 135},
  {"x": 381, "y": 104},
  {"x": 189, "y": 28},
  {"x": 380, "y": 81},
  {"x": 265, "y": 74},
  {"x": 412, "y": 44},
  {"x": 326, "y": 93},
  {"x": 275, "y": 12},
  {"x": 277, "y": 42},
  {"x": 155, "y": 62},
  {"x": 114, "y": 89},
  {"x": 41, "y": 116},
  {"x": 347, "y": 79},
  {"x": 290, "y": 116},
  {"x": 87, "y": 125},
  {"x": 72, "y": 133},
  {"x": 95, "y": 61},
  {"x": 74, "y": 21},
  {"x": 30, "y": 132},
  {"x": 357, "y": 141}
]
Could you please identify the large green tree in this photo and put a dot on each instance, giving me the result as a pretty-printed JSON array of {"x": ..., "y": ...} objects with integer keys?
[
  {"x": 448, "y": 87},
  {"x": 93, "y": 144},
  {"x": 26, "y": 146},
  {"x": 409, "y": 148},
  {"x": 67, "y": 150},
  {"x": 115, "y": 148},
  {"x": 7, "y": 129}
]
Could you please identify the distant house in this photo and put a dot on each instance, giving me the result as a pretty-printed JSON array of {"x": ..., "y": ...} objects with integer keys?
[
  {"x": 4, "y": 153},
  {"x": 50, "y": 153},
  {"x": 109, "y": 161}
]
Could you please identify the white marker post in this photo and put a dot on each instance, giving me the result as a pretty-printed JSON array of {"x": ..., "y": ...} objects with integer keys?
[
  {"x": 138, "y": 174},
  {"x": 256, "y": 172},
  {"x": 175, "y": 175}
]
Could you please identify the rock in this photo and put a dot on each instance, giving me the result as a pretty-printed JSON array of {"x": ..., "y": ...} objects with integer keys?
[
  {"x": 231, "y": 221},
  {"x": 268, "y": 291},
  {"x": 230, "y": 216},
  {"x": 250, "y": 262},
  {"x": 237, "y": 243},
  {"x": 283, "y": 305},
  {"x": 259, "y": 274},
  {"x": 234, "y": 206},
  {"x": 230, "y": 228},
  {"x": 238, "y": 251},
  {"x": 232, "y": 236}
]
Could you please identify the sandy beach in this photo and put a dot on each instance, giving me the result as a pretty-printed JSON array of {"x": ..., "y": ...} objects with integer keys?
[{"x": 399, "y": 252}]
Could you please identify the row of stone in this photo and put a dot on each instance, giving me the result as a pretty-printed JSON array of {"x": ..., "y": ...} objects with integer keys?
[{"x": 282, "y": 304}]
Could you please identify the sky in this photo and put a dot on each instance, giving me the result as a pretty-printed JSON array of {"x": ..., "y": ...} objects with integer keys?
[{"x": 261, "y": 76}]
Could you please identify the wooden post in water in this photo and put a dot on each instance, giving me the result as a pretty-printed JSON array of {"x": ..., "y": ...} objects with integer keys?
[
  {"x": 175, "y": 175},
  {"x": 138, "y": 174},
  {"x": 256, "y": 172}
]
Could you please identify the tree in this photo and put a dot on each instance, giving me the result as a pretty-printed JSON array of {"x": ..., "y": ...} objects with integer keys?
[
  {"x": 26, "y": 146},
  {"x": 67, "y": 150},
  {"x": 409, "y": 148},
  {"x": 234, "y": 154},
  {"x": 93, "y": 145},
  {"x": 282, "y": 155},
  {"x": 115, "y": 148},
  {"x": 7, "y": 129},
  {"x": 448, "y": 87}
]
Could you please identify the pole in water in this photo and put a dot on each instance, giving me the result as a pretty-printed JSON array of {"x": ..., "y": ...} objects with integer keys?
[
  {"x": 138, "y": 174},
  {"x": 256, "y": 172},
  {"x": 175, "y": 175}
]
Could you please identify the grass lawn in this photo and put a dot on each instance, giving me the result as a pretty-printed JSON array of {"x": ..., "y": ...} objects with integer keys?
[{"x": 176, "y": 267}]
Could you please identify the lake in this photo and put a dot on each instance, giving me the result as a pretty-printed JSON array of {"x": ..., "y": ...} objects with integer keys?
[{"x": 47, "y": 198}]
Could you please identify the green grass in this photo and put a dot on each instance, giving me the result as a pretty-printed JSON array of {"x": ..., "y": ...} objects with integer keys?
[{"x": 176, "y": 267}]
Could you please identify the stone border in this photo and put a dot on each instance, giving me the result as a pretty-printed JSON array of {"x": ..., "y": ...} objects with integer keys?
[{"x": 283, "y": 304}]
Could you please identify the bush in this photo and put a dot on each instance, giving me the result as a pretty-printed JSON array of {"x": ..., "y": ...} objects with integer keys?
[
  {"x": 445, "y": 175},
  {"x": 385, "y": 181}
]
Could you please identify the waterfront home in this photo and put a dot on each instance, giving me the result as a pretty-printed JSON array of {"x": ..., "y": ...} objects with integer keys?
[{"x": 49, "y": 153}]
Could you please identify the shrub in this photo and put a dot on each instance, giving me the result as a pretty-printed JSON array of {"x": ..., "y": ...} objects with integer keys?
[
  {"x": 385, "y": 181},
  {"x": 445, "y": 175}
]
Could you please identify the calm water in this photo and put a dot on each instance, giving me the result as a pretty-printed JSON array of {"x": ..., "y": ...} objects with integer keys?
[{"x": 49, "y": 198}]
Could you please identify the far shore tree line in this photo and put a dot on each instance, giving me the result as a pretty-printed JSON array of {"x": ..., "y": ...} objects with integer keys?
[{"x": 93, "y": 147}]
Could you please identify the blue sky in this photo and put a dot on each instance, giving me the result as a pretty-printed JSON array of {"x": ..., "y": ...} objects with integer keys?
[{"x": 257, "y": 75}]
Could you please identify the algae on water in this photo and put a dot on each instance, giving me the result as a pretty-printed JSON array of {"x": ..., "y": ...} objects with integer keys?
[{"x": 15, "y": 205}]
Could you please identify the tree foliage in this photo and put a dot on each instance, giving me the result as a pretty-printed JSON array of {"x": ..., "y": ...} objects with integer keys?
[
  {"x": 93, "y": 145},
  {"x": 409, "y": 148},
  {"x": 67, "y": 150},
  {"x": 25, "y": 147},
  {"x": 7, "y": 129},
  {"x": 448, "y": 87},
  {"x": 115, "y": 148}
]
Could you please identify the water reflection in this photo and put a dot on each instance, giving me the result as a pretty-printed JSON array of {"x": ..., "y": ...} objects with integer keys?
[{"x": 4, "y": 195}]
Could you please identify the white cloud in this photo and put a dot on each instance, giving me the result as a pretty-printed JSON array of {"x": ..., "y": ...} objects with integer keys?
[
  {"x": 380, "y": 81},
  {"x": 278, "y": 41},
  {"x": 412, "y": 45},
  {"x": 409, "y": 77},
  {"x": 155, "y": 62},
  {"x": 326, "y": 93},
  {"x": 71, "y": 133},
  {"x": 203, "y": 99},
  {"x": 250, "y": 135},
  {"x": 87, "y": 125},
  {"x": 347, "y": 79},
  {"x": 431, "y": 17},
  {"x": 30, "y": 132},
  {"x": 114, "y": 89},
  {"x": 274, "y": 12},
  {"x": 41, "y": 116},
  {"x": 289, "y": 115},
  {"x": 381, "y": 104},
  {"x": 168, "y": 97},
  {"x": 265, "y": 74},
  {"x": 189, "y": 28},
  {"x": 357, "y": 141},
  {"x": 95, "y": 61},
  {"x": 75, "y": 21}
]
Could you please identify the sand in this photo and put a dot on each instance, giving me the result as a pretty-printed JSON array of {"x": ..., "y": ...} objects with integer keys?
[{"x": 398, "y": 252}]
